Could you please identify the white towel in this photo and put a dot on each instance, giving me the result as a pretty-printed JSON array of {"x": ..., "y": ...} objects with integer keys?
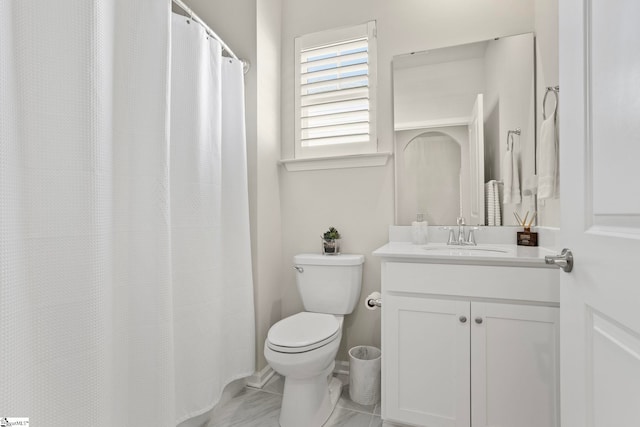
[
  {"x": 511, "y": 177},
  {"x": 492, "y": 198},
  {"x": 548, "y": 159},
  {"x": 497, "y": 203},
  {"x": 490, "y": 209},
  {"x": 530, "y": 187}
]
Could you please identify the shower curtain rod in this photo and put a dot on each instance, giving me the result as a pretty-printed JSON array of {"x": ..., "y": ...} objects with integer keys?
[{"x": 209, "y": 31}]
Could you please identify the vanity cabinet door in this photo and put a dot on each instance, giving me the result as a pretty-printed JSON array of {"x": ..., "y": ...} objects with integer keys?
[
  {"x": 514, "y": 365},
  {"x": 426, "y": 361}
]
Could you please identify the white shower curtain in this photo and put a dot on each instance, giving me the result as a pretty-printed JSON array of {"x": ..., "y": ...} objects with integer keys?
[
  {"x": 125, "y": 271},
  {"x": 210, "y": 220}
]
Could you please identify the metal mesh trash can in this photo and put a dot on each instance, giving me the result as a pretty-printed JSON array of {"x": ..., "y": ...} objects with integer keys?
[{"x": 364, "y": 374}]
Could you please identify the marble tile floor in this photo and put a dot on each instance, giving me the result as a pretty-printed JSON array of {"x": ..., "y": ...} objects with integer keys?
[{"x": 261, "y": 408}]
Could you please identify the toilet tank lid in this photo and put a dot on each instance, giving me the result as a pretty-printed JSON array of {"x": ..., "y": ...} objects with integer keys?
[{"x": 318, "y": 259}]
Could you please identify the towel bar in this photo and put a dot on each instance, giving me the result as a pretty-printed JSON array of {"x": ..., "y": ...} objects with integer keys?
[{"x": 510, "y": 133}]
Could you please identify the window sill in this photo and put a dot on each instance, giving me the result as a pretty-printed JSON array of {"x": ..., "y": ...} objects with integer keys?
[{"x": 336, "y": 162}]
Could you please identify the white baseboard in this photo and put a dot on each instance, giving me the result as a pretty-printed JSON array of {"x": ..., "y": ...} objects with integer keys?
[
  {"x": 259, "y": 379},
  {"x": 342, "y": 367}
]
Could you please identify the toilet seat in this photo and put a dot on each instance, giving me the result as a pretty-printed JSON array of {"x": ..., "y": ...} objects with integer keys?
[{"x": 303, "y": 332}]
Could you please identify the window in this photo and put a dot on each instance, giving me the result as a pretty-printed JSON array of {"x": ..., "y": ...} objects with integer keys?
[{"x": 335, "y": 89}]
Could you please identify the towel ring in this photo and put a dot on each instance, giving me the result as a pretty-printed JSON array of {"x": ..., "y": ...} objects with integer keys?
[{"x": 554, "y": 90}]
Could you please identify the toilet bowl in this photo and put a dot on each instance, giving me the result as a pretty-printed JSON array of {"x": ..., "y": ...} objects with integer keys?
[
  {"x": 303, "y": 347},
  {"x": 309, "y": 397}
]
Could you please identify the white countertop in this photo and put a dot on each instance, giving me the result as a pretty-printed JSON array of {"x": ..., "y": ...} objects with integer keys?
[{"x": 483, "y": 254}]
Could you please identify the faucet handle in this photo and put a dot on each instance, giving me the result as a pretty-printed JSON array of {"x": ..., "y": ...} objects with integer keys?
[
  {"x": 452, "y": 237},
  {"x": 471, "y": 238}
]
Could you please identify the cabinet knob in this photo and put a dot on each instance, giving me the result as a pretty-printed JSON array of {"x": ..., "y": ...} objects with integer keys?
[
  {"x": 478, "y": 320},
  {"x": 463, "y": 319}
]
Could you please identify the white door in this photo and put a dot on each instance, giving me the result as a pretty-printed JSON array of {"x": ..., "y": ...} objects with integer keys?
[
  {"x": 426, "y": 365},
  {"x": 515, "y": 372},
  {"x": 476, "y": 163},
  {"x": 600, "y": 202}
]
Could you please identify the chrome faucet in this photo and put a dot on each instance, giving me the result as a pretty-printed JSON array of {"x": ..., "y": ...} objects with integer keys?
[
  {"x": 462, "y": 239},
  {"x": 461, "y": 224}
]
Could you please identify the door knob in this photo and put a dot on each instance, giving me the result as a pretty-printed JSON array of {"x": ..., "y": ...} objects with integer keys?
[
  {"x": 463, "y": 319},
  {"x": 479, "y": 320},
  {"x": 564, "y": 260}
]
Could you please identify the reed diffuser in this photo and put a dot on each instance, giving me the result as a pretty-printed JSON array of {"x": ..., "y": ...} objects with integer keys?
[{"x": 526, "y": 237}]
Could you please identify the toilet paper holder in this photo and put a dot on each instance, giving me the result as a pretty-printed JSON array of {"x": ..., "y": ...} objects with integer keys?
[{"x": 374, "y": 300}]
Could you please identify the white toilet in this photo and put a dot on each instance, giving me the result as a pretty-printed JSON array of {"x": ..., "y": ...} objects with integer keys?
[{"x": 302, "y": 348}]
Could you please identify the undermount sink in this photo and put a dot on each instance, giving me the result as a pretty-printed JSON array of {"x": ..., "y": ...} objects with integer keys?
[{"x": 464, "y": 250}]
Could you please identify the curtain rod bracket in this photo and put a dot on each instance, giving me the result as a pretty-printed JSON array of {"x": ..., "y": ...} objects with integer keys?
[
  {"x": 246, "y": 66},
  {"x": 209, "y": 31}
]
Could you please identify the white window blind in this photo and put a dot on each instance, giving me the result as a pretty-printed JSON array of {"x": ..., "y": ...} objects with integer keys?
[{"x": 335, "y": 92}]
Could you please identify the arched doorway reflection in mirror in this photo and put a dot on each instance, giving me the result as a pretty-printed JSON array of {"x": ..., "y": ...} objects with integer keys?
[{"x": 432, "y": 181}]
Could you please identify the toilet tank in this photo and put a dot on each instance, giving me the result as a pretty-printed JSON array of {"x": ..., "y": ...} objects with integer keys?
[{"x": 329, "y": 283}]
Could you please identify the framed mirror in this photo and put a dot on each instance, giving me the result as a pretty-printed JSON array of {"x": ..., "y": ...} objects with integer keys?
[{"x": 464, "y": 125}]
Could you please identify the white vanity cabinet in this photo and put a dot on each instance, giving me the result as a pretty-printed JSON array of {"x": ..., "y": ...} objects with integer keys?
[
  {"x": 470, "y": 345},
  {"x": 426, "y": 361}
]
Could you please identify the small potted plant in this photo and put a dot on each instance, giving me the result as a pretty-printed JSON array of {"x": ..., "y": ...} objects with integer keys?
[{"x": 331, "y": 242}]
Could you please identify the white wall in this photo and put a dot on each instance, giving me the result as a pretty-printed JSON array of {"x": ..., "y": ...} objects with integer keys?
[
  {"x": 428, "y": 94},
  {"x": 360, "y": 202},
  {"x": 269, "y": 231},
  {"x": 547, "y": 74},
  {"x": 510, "y": 93}
]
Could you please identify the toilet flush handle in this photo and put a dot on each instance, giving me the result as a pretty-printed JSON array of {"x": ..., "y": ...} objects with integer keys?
[{"x": 298, "y": 269}]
